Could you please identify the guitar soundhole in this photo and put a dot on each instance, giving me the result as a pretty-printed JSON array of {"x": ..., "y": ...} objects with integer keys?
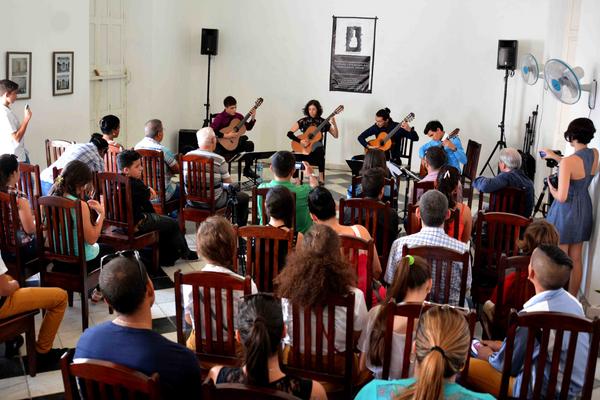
[
  {"x": 381, "y": 143},
  {"x": 310, "y": 136}
]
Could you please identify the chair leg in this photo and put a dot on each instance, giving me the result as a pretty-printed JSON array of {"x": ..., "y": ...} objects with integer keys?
[
  {"x": 31, "y": 353},
  {"x": 84, "y": 310},
  {"x": 155, "y": 258},
  {"x": 70, "y": 297}
]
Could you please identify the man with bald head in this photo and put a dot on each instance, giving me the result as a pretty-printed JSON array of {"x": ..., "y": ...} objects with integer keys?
[
  {"x": 207, "y": 143},
  {"x": 549, "y": 272}
]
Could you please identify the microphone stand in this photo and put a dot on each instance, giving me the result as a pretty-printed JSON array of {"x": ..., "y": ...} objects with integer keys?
[{"x": 207, "y": 104}]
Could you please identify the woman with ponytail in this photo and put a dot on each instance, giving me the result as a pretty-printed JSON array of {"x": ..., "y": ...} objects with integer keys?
[
  {"x": 448, "y": 182},
  {"x": 110, "y": 126},
  {"x": 442, "y": 342},
  {"x": 260, "y": 330},
  {"x": 412, "y": 283}
]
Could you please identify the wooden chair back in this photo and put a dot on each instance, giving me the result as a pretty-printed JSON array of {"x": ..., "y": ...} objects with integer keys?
[
  {"x": 106, "y": 380},
  {"x": 442, "y": 262},
  {"x": 507, "y": 200},
  {"x": 266, "y": 249},
  {"x": 405, "y": 150},
  {"x": 240, "y": 391},
  {"x": 419, "y": 189},
  {"x": 10, "y": 244},
  {"x": 469, "y": 172},
  {"x": 354, "y": 250},
  {"x": 313, "y": 354},
  {"x": 259, "y": 199},
  {"x": 22, "y": 323},
  {"x": 208, "y": 289},
  {"x": 366, "y": 212},
  {"x": 29, "y": 182},
  {"x": 153, "y": 175},
  {"x": 110, "y": 158},
  {"x": 55, "y": 148},
  {"x": 549, "y": 331},
  {"x": 116, "y": 190},
  {"x": 451, "y": 226},
  {"x": 412, "y": 312},
  {"x": 394, "y": 185}
]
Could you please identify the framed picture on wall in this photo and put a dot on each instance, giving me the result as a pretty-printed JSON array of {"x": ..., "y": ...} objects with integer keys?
[
  {"x": 18, "y": 70},
  {"x": 62, "y": 72}
]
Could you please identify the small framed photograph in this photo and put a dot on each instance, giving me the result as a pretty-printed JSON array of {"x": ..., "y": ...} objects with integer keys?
[
  {"x": 62, "y": 72},
  {"x": 18, "y": 70}
]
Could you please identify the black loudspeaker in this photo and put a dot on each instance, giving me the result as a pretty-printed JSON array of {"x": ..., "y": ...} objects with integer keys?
[
  {"x": 507, "y": 54},
  {"x": 210, "y": 41},
  {"x": 187, "y": 140}
]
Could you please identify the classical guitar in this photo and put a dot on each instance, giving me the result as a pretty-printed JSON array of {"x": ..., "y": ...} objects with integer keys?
[
  {"x": 238, "y": 127},
  {"x": 383, "y": 141},
  {"x": 313, "y": 134},
  {"x": 447, "y": 136}
]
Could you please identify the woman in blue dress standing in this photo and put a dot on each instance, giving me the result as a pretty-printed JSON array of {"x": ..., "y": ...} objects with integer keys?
[{"x": 571, "y": 212}]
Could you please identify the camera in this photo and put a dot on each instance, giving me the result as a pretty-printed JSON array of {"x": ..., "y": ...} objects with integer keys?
[
  {"x": 550, "y": 163},
  {"x": 553, "y": 180}
]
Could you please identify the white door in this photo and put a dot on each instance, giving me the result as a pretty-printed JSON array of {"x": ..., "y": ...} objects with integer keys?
[{"x": 108, "y": 75}]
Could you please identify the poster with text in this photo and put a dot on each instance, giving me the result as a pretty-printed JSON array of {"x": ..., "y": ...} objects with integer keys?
[{"x": 352, "y": 54}]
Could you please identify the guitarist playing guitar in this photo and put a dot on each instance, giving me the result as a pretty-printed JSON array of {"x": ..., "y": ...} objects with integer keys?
[
  {"x": 311, "y": 140},
  {"x": 452, "y": 145},
  {"x": 386, "y": 133},
  {"x": 230, "y": 128}
]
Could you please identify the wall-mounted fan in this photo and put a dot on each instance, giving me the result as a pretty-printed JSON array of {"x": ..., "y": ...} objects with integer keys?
[
  {"x": 530, "y": 69},
  {"x": 564, "y": 83}
]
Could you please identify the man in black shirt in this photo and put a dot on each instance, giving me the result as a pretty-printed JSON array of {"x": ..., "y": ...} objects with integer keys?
[{"x": 384, "y": 123}]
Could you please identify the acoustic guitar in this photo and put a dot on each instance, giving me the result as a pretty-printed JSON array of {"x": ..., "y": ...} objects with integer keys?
[
  {"x": 383, "y": 141},
  {"x": 447, "y": 136},
  {"x": 238, "y": 127},
  {"x": 313, "y": 134}
]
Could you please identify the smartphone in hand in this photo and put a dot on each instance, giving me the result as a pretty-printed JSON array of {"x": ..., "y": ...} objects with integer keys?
[{"x": 475, "y": 346}]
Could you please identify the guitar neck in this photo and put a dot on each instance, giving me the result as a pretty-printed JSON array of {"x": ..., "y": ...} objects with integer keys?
[
  {"x": 396, "y": 129},
  {"x": 246, "y": 118},
  {"x": 325, "y": 121}
]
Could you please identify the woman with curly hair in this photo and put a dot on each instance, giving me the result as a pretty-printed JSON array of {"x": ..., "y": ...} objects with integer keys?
[{"x": 314, "y": 272}]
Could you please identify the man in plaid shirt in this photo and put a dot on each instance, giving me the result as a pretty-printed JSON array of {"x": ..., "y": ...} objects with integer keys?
[{"x": 433, "y": 211}]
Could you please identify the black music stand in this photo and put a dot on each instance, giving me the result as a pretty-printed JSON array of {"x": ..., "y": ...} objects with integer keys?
[{"x": 253, "y": 157}]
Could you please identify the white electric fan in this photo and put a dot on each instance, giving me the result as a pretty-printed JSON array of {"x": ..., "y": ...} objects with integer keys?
[
  {"x": 530, "y": 69},
  {"x": 564, "y": 83}
]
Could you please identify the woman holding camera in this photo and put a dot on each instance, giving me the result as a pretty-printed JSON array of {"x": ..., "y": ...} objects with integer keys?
[{"x": 571, "y": 212}]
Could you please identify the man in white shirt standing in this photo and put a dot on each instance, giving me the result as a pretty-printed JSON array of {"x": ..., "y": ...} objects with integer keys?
[{"x": 11, "y": 132}]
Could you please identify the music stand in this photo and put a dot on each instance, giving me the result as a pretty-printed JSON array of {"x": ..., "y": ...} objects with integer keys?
[
  {"x": 355, "y": 166},
  {"x": 253, "y": 157}
]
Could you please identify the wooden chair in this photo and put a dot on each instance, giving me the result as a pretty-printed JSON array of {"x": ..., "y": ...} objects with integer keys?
[
  {"x": 313, "y": 354},
  {"x": 29, "y": 182},
  {"x": 197, "y": 184},
  {"x": 445, "y": 258},
  {"x": 262, "y": 192},
  {"x": 59, "y": 235},
  {"x": 106, "y": 380},
  {"x": 419, "y": 188},
  {"x": 469, "y": 172},
  {"x": 110, "y": 158},
  {"x": 119, "y": 230},
  {"x": 412, "y": 313},
  {"x": 521, "y": 291},
  {"x": 55, "y": 148},
  {"x": 216, "y": 314},
  {"x": 264, "y": 253},
  {"x": 507, "y": 200},
  {"x": 22, "y": 323},
  {"x": 394, "y": 185},
  {"x": 413, "y": 224},
  {"x": 239, "y": 391},
  {"x": 366, "y": 212},
  {"x": 548, "y": 330},
  {"x": 353, "y": 248},
  {"x": 153, "y": 175}
]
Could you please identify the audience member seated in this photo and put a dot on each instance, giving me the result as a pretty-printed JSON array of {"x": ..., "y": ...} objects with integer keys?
[
  {"x": 322, "y": 212},
  {"x": 549, "y": 271},
  {"x": 374, "y": 158},
  {"x": 373, "y": 181},
  {"x": 283, "y": 165},
  {"x": 441, "y": 347},
  {"x": 448, "y": 182},
  {"x": 216, "y": 244},
  {"x": 260, "y": 329},
  {"x": 110, "y": 126},
  {"x": 314, "y": 272},
  {"x": 511, "y": 175},
  {"x": 433, "y": 211},
  {"x": 280, "y": 215},
  {"x": 172, "y": 241},
  {"x": 154, "y": 134},
  {"x": 72, "y": 184},
  {"x": 15, "y": 300},
  {"x": 412, "y": 283},
  {"x": 538, "y": 232},
  {"x": 207, "y": 143},
  {"x": 129, "y": 340},
  {"x": 91, "y": 154},
  {"x": 9, "y": 176}
]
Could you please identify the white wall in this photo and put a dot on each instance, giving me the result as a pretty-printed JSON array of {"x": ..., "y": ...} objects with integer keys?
[
  {"x": 435, "y": 58},
  {"x": 41, "y": 27}
]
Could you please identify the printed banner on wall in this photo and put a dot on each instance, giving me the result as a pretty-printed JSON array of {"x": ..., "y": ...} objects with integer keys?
[{"x": 352, "y": 54}]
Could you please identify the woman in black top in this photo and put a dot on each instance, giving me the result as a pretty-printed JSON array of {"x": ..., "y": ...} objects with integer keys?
[
  {"x": 313, "y": 117},
  {"x": 260, "y": 329}
]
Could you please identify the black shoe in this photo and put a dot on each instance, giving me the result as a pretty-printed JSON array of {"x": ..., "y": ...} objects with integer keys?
[
  {"x": 248, "y": 173},
  {"x": 50, "y": 360},
  {"x": 12, "y": 346},
  {"x": 190, "y": 256}
]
